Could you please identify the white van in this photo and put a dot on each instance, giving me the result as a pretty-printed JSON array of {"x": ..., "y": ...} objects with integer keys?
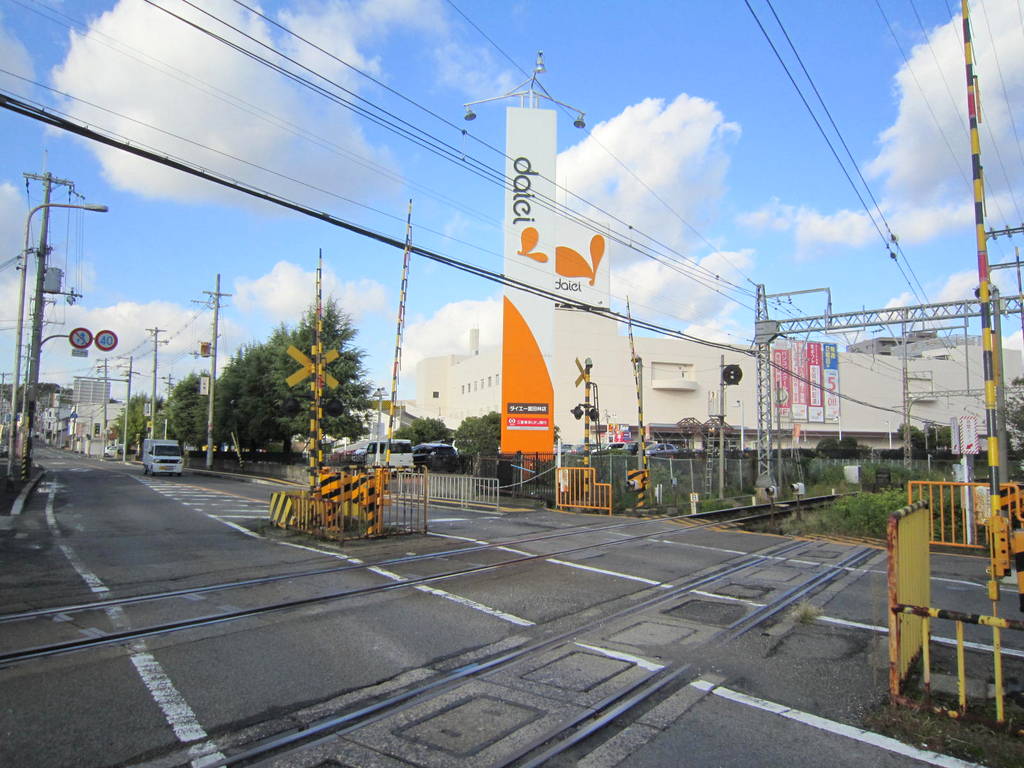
[
  {"x": 372, "y": 453},
  {"x": 161, "y": 457}
]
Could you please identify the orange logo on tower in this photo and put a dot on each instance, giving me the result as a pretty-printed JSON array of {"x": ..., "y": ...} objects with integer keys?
[{"x": 568, "y": 261}]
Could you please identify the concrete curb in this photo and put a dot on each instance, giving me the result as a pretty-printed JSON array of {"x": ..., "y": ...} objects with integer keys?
[{"x": 19, "y": 503}]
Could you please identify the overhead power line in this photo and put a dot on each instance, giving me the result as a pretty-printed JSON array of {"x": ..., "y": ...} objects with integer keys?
[{"x": 46, "y": 117}]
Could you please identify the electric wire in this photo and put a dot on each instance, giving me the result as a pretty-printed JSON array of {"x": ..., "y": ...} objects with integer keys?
[
  {"x": 553, "y": 205},
  {"x": 87, "y": 131},
  {"x": 1009, "y": 115},
  {"x": 636, "y": 177},
  {"x": 893, "y": 240}
]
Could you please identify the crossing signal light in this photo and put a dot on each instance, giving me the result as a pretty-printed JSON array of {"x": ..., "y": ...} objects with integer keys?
[
  {"x": 732, "y": 374},
  {"x": 334, "y": 408},
  {"x": 290, "y": 406}
]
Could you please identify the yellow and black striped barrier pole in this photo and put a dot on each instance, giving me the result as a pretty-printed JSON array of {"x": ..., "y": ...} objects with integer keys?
[
  {"x": 399, "y": 332},
  {"x": 984, "y": 296},
  {"x": 638, "y": 372}
]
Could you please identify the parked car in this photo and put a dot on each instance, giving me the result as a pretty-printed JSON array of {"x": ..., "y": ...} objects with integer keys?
[
  {"x": 372, "y": 453},
  {"x": 631, "y": 447},
  {"x": 437, "y": 457},
  {"x": 112, "y": 452},
  {"x": 662, "y": 449}
]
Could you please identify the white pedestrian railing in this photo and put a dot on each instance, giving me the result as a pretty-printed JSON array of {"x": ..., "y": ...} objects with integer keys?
[{"x": 464, "y": 490}]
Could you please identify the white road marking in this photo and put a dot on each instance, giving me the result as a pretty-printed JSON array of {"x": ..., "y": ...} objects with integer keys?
[
  {"x": 831, "y": 726},
  {"x": 509, "y": 617},
  {"x": 616, "y": 574},
  {"x": 640, "y": 662},
  {"x": 178, "y": 714}
]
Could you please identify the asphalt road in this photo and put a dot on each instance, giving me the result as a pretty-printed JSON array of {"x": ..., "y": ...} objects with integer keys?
[{"x": 96, "y": 530}]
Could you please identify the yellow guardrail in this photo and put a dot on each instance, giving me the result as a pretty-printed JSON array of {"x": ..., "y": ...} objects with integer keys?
[
  {"x": 909, "y": 537},
  {"x": 577, "y": 488},
  {"x": 961, "y": 511}
]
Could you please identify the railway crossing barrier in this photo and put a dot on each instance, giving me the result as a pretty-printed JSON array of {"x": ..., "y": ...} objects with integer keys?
[
  {"x": 960, "y": 511},
  {"x": 912, "y": 646},
  {"x": 577, "y": 488},
  {"x": 349, "y": 505}
]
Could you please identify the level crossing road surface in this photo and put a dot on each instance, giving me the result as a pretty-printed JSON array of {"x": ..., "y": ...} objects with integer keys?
[{"x": 594, "y": 609}]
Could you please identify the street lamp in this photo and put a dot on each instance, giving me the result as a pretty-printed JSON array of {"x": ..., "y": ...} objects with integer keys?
[
  {"x": 743, "y": 434},
  {"x": 41, "y": 268}
]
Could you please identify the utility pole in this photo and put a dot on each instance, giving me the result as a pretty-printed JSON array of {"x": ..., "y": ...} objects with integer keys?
[
  {"x": 155, "y": 333},
  {"x": 721, "y": 428},
  {"x": 127, "y": 402},
  {"x": 215, "y": 296},
  {"x": 169, "y": 381},
  {"x": 30, "y": 394},
  {"x": 106, "y": 398},
  {"x": 906, "y": 401}
]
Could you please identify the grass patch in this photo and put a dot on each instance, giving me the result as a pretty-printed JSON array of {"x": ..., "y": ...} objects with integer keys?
[
  {"x": 804, "y": 612},
  {"x": 968, "y": 741},
  {"x": 864, "y": 514}
]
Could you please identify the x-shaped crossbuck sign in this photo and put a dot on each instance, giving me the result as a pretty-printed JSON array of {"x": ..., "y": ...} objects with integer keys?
[{"x": 309, "y": 367}]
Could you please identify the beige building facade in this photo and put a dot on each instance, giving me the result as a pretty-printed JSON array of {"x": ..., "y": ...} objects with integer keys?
[{"x": 681, "y": 381}]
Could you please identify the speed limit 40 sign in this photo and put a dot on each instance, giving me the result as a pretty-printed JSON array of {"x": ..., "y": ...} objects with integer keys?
[{"x": 106, "y": 340}]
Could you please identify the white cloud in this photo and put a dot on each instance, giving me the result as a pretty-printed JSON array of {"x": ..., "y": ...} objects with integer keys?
[
  {"x": 446, "y": 332},
  {"x": 12, "y": 233},
  {"x": 678, "y": 151},
  {"x": 923, "y": 162},
  {"x": 14, "y": 57},
  {"x": 812, "y": 229},
  {"x": 653, "y": 287},
  {"x": 191, "y": 86},
  {"x": 286, "y": 292},
  {"x": 924, "y": 158}
]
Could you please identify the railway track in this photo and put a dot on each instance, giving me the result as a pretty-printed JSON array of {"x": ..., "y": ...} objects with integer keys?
[
  {"x": 575, "y": 725},
  {"x": 706, "y": 519}
]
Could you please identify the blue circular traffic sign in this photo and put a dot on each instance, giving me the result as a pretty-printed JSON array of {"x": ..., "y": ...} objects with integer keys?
[{"x": 80, "y": 338}]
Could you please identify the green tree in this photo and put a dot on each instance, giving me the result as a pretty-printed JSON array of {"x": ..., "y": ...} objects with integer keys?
[
  {"x": 138, "y": 422},
  {"x": 251, "y": 390},
  {"x": 479, "y": 435},
  {"x": 425, "y": 431},
  {"x": 187, "y": 410}
]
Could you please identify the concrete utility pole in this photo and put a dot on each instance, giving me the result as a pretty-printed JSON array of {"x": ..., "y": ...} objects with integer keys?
[
  {"x": 215, "y": 296},
  {"x": 127, "y": 402},
  {"x": 106, "y": 398},
  {"x": 169, "y": 381},
  {"x": 721, "y": 428},
  {"x": 155, "y": 333}
]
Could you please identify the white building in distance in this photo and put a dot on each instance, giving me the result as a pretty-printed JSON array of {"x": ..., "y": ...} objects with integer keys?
[{"x": 681, "y": 382}]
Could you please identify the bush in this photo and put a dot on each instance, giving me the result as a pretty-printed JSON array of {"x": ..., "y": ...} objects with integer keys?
[{"x": 864, "y": 514}]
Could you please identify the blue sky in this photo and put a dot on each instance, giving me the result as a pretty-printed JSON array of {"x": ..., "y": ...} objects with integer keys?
[{"x": 695, "y": 138}]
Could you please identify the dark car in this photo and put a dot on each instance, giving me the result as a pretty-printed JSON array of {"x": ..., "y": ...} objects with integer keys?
[{"x": 437, "y": 457}]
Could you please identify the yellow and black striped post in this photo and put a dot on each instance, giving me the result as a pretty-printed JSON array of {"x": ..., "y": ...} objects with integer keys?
[
  {"x": 316, "y": 456},
  {"x": 984, "y": 296},
  {"x": 399, "y": 332},
  {"x": 638, "y": 373}
]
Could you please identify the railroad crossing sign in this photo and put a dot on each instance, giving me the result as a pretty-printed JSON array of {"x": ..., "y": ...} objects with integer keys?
[
  {"x": 105, "y": 340},
  {"x": 584, "y": 370},
  {"x": 309, "y": 368},
  {"x": 80, "y": 338}
]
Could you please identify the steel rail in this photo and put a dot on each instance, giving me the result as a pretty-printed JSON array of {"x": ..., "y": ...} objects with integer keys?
[
  {"x": 111, "y": 638},
  {"x": 333, "y": 727},
  {"x": 574, "y": 531}
]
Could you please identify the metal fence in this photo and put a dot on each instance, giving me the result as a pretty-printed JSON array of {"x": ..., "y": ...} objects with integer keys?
[
  {"x": 355, "y": 505},
  {"x": 465, "y": 491},
  {"x": 577, "y": 488}
]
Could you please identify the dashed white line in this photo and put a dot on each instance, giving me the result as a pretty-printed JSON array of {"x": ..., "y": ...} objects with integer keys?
[{"x": 179, "y": 715}]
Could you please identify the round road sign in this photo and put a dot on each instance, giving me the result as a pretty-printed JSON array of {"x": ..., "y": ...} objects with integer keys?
[
  {"x": 80, "y": 338},
  {"x": 106, "y": 340}
]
